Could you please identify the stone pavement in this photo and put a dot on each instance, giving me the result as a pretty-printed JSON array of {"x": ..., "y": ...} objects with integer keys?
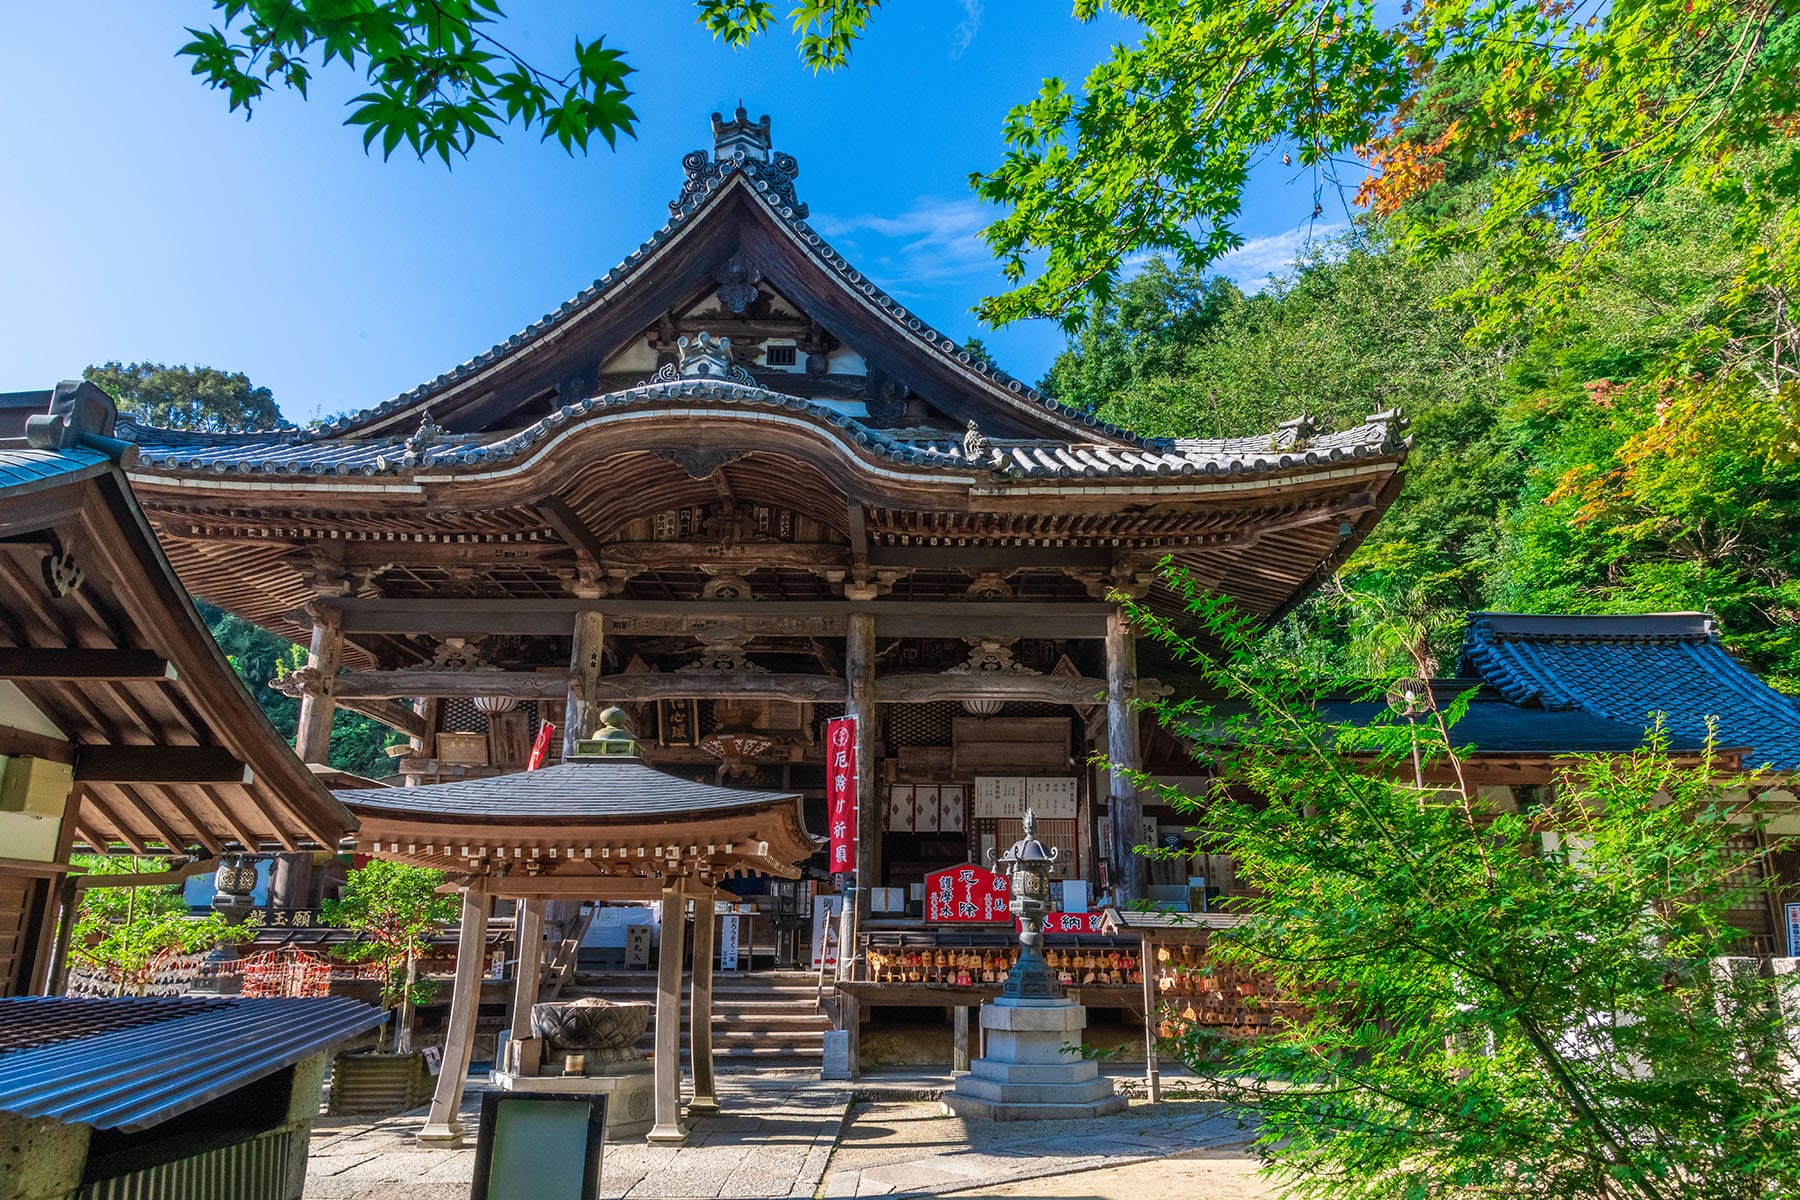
[
  {"x": 911, "y": 1148},
  {"x": 773, "y": 1140}
]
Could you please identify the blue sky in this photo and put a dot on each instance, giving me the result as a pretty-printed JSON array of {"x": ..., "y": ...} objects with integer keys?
[{"x": 140, "y": 220}]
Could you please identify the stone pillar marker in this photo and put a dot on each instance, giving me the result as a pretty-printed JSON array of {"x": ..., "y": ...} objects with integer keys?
[
  {"x": 442, "y": 1127},
  {"x": 1031, "y": 1068},
  {"x": 668, "y": 1127}
]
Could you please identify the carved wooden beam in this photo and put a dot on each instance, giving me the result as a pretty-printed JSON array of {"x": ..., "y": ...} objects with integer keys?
[
  {"x": 804, "y": 556},
  {"x": 159, "y": 764},
  {"x": 391, "y": 713},
  {"x": 894, "y": 618},
  {"x": 390, "y": 685},
  {"x": 987, "y": 685},
  {"x": 75, "y": 663},
  {"x": 705, "y": 685}
]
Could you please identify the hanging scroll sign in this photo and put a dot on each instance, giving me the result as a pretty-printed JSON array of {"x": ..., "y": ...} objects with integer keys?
[{"x": 840, "y": 791}]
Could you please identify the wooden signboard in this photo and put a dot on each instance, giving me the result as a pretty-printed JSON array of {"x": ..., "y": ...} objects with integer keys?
[
  {"x": 964, "y": 895},
  {"x": 1024, "y": 744}
]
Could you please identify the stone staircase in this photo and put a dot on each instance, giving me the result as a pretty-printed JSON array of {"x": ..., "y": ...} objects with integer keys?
[{"x": 762, "y": 1020}]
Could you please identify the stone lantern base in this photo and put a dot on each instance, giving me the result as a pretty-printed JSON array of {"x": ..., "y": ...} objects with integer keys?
[{"x": 1033, "y": 1069}]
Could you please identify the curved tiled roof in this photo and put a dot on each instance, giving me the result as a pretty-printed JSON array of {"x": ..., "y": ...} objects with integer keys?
[
  {"x": 1627, "y": 668},
  {"x": 621, "y": 789},
  {"x": 1381, "y": 435},
  {"x": 771, "y": 183}
]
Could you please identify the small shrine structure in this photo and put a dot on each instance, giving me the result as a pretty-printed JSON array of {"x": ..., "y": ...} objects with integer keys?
[{"x": 601, "y": 825}]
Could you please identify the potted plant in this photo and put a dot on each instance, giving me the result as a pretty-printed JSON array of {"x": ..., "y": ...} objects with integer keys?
[{"x": 394, "y": 909}]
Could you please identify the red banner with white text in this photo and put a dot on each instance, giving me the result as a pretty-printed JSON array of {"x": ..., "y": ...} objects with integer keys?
[{"x": 840, "y": 791}]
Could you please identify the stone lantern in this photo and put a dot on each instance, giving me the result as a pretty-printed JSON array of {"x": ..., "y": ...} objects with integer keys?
[
  {"x": 1027, "y": 867},
  {"x": 1033, "y": 1068}
]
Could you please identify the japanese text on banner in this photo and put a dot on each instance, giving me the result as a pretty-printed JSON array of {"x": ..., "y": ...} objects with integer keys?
[{"x": 840, "y": 790}]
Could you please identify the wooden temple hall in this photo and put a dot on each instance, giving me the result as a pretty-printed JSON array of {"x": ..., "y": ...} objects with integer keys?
[{"x": 736, "y": 489}]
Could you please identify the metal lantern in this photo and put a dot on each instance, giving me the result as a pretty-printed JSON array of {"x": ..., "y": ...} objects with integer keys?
[
  {"x": 1027, "y": 867},
  {"x": 233, "y": 884}
]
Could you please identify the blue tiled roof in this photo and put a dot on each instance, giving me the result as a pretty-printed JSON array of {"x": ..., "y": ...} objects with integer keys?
[
  {"x": 1627, "y": 669},
  {"x": 1493, "y": 725}
]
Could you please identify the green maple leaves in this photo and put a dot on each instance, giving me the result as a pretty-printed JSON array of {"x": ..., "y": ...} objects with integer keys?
[{"x": 440, "y": 79}]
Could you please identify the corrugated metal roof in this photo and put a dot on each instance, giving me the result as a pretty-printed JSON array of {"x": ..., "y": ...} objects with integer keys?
[
  {"x": 191, "y": 1052},
  {"x": 616, "y": 789}
]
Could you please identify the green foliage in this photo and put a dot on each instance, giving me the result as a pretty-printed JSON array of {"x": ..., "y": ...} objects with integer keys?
[
  {"x": 1553, "y": 470},
  {"x": 979, "y": 354},
  {"x": 394, "y": 909},
  {"x": 1497, "y": 1000},
  {"x": 441, "y": 78},
  {"x": 123, "y": 931},
  {"x": 204, "y": 399},
  {"x": 358, "y": 743},
  {"x": 438, "y": 77}
]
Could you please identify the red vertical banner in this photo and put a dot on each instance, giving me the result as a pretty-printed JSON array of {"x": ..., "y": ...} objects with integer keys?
[
  {"x": 540, "y": 749},
  {"x": 840, "y": 791}
]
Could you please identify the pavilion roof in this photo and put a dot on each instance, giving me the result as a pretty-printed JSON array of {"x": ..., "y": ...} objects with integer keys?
[
  {"x": 600, "y": 824},
  {"x": 622, "y": 790},
  {"x": 165, "y": 745}
]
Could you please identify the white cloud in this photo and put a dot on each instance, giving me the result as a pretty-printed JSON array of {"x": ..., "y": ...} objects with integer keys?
[
  {"x": 1251, "y": 265},
  {"x": 964, "y": 35},
  {"x": 933, "y": 240}
]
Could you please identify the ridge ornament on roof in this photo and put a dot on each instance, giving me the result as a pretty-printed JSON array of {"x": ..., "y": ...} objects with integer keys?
[{"x": 740, "y": 145}]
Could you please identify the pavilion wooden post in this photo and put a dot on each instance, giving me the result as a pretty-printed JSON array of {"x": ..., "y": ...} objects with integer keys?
[
  {"x": 668, "y": 1127},
  {"x": 530, "y": 936},
  {"x": 442, "y": 1127},
  {"x": 1125, "y": 810},
  {"x": 585, "y": 669},
  {"x": 1152, "y": 1076},
  {"x": 959, "y": 1038},
  {"x": 312, "y": 741},
  {"x": 859, "y": 702},
  {"x": 700, "y": 1049}
]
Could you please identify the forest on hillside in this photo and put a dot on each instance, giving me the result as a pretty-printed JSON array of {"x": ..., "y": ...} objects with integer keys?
[{"x": 1631, "y": 453}]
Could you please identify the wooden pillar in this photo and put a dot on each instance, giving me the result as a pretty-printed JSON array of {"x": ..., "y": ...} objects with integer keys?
[
  {"x": 859, "y": 702},
  {"x": 1125, "y": 810},
  {"x": 959, "y": 1038},
  {"x": 1147, "y": 968},
  {"x": 668, "y": 1127},
  {"x": 442, "y": 1128},
  {"x": 530, "y": 936},
  {"x": 291, "y": 880},
  {"x": 706, "y": 1100},
  {"x": 312, "y": 740},
  {"x": 585, "y": 669}
]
